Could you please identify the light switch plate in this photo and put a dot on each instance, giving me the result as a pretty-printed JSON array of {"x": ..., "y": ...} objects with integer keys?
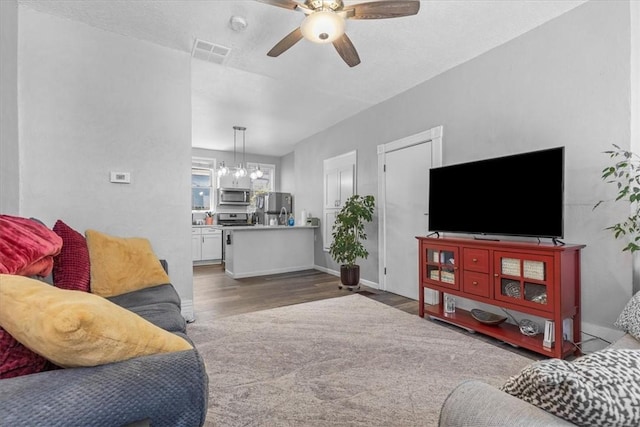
[{"x": 121, "y": 177}]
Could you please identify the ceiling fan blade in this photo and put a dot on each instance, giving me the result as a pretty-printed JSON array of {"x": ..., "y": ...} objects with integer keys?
[
  {"x": 383, "y": 9},
  {"x": 289, "y": 40},
  {"x": 287, "y": 4},
  {"x": 347, "y": 51}
]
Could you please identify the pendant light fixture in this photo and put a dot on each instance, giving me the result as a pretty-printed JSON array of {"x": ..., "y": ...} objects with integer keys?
[
  {"x": 222, "y": 169},
  {"x": 240, "y": 169},
  {"x": 257, "y": 173}
]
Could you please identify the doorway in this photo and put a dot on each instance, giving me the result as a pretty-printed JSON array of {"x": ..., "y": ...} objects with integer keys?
[{"x": 403, "y": 192}]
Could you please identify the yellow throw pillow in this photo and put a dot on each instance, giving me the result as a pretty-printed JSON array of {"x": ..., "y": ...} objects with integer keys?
[
  {"x": 120, "y": 265},
  {"x": 75, "y": 328}
]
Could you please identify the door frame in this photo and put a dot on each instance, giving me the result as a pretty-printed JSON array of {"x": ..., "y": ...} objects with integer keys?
[{"x": 434, "y": 136}]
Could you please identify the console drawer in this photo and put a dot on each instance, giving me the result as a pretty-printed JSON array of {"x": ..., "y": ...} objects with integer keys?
[
  {"x": 476, "y": 283},
  {"x": 475, "y": 259}
]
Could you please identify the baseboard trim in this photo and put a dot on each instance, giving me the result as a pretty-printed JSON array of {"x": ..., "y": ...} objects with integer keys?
[
  {"x": 592, "y": 330},
  {"x": 186, "y": 308},
  {"x": 365, "y": 282},
  {"x": 268, "y": 272},
  {"x": 208, "y": 262}
]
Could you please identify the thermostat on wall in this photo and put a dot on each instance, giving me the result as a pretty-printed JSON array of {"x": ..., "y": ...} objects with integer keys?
[{"x": 121, "y": 177}]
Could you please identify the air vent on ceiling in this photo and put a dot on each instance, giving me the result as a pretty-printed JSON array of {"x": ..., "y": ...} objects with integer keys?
[{"x": 210, "y": 51}]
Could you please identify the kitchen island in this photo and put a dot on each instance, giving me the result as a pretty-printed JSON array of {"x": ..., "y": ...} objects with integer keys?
[{"x": 260, "y": 250}]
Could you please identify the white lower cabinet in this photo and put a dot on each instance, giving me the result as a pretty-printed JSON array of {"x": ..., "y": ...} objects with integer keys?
[{"x": 206, "y": 244}]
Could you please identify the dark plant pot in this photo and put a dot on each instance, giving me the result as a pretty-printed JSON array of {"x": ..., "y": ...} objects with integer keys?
[{"x": 350, "y": 276}]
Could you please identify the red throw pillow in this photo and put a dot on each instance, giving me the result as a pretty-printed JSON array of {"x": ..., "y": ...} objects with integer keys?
[
  {"x": 71, "y": 268},
  {"x": 27, "y": 247},
  {"x": 17, "y": 360}
]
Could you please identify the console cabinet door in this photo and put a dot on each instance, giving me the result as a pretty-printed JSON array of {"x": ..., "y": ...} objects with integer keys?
[
  {"x": 441, "y": 266},
  {"x": 524, "y": 279}
]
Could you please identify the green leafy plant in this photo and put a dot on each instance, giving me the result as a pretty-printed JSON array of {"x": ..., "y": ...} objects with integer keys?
[
  {"x": 348, "y": 230},
  {"x": 625, "y": 174}
]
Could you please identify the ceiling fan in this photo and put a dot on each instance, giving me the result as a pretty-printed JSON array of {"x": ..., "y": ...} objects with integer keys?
[{"x": 325, "y": 22}]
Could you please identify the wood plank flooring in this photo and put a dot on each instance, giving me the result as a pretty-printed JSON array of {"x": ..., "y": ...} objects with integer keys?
[{"x": 216, "y": 295}]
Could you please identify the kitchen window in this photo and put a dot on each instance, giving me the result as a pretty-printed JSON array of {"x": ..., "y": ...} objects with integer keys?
[{"x": 202, "y": 191}]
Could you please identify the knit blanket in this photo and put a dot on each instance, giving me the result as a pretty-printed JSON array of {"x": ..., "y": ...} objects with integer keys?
[{"x": 27, "y": 247}]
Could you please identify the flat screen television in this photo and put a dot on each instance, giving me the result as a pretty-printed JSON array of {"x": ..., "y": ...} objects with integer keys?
[{"x": 515, "y": 195}]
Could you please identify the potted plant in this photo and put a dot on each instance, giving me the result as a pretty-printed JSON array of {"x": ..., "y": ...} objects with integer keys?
[
  {"x": 348, "y": 234},
  {"x": 625, "y": 174}
]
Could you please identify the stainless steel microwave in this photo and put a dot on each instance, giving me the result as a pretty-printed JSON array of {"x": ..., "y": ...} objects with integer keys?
[{"x": 233, "y": 196}]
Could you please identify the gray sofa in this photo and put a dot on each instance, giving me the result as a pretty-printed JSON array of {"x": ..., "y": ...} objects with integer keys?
[
  {"x": 168, "y": 389},
  {"x": 474, "y": 403}
]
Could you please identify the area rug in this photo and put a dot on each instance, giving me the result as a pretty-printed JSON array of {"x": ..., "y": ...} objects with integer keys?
[{"x": 347, "y": 361}]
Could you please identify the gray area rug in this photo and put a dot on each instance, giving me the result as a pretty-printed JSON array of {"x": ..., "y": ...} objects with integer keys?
[{"x": 348, "y": 361}]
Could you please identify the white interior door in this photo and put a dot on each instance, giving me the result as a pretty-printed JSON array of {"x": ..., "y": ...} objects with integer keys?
[
  {"x": 406, "y": 202},
  {"x": 404, "y": 194}
]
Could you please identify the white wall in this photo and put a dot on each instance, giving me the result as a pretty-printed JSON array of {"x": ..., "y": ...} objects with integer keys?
[
  {"x": 9, "y": 147},
  {"x": 287, "y": 178},
  {"x": 635, "y": 107},
  {"x": 91, "y": 102},
  {"x": 287, "y": 174},
  {"x": 565, "y": 83}
]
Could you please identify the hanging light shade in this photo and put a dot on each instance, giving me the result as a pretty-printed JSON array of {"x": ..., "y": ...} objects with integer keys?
[
  {"x": 240, "y": 169},
  {"x": 222, "y": 169},
  {"x": 257, "y": 173}
]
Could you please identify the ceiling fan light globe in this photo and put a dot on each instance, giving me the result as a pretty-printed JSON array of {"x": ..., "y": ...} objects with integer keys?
[{"x": 323, "y": 26}]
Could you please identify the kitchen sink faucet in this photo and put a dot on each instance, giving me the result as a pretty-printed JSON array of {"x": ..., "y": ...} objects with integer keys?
[{"x": 282, "y": 220}]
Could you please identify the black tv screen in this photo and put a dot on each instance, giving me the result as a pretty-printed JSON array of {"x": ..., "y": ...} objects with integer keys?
[{"x": 515, "y": 195}]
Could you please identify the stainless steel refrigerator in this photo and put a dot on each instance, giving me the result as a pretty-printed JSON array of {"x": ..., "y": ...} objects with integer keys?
[{"x": 274, "y": 206}]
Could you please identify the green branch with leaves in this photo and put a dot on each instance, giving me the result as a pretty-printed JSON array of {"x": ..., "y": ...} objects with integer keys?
[
  {"x": 348, "y": 230},
  {"x": 625, "y": 174}
]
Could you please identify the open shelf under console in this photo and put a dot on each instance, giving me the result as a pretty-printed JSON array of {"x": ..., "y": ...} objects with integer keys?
[{"x": 539, "y": 279}]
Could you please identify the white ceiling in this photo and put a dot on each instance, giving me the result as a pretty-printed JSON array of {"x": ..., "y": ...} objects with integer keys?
[{"x": 308, "y": 88}]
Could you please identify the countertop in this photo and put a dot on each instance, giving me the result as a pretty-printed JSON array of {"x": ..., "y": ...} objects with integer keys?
[
  {"x": 255, "y": 227},
  {"x": 260, "y": 227}
]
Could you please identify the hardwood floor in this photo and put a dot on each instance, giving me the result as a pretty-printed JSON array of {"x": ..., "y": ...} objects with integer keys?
[{"x": 216, "y": 295}]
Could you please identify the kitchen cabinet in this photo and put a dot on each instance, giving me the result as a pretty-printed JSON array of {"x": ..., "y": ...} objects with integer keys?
[
  {"x": 206, "y": 245},
  {"x": 263, "y": 250},
  {"x": 230, "y": 181},
  {"x": 338, "y": 186}
]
